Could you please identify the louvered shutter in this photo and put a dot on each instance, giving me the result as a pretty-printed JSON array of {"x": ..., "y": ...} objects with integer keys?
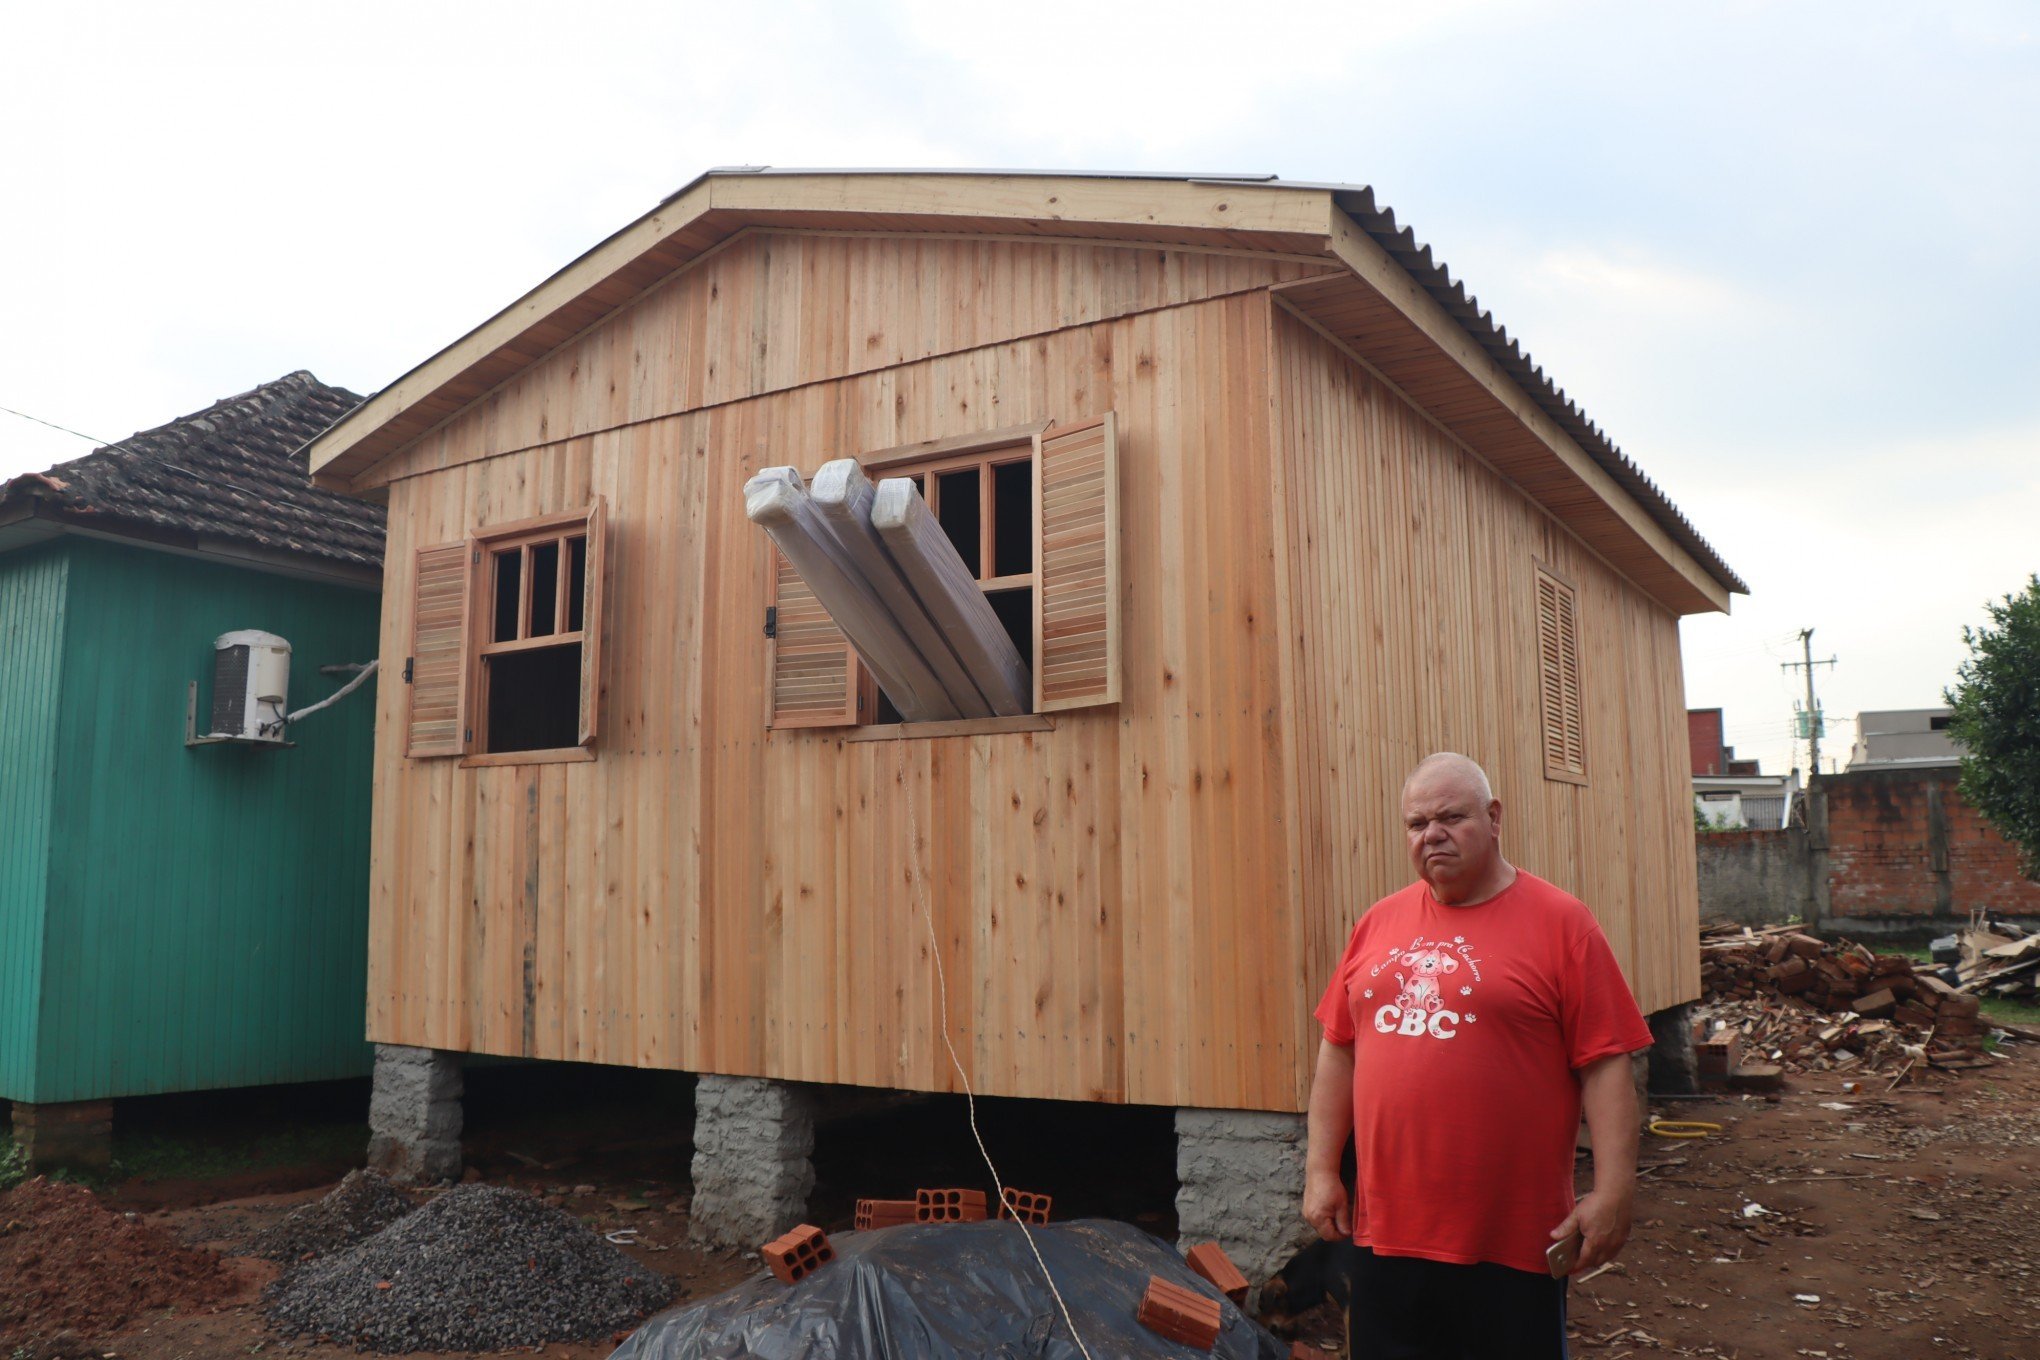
[
  {"x": 591, "y": 621},
  {"x": 1558, "y": 667},
  {"x": 440, "y": 595},
  {"x": 813, "y": 672},
  {"x": 1076, "y": 566}
]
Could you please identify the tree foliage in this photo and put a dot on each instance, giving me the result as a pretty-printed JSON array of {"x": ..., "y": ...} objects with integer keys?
[{"x": 1996, "y": 699}]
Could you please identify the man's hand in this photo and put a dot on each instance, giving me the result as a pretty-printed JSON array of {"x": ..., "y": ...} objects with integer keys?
[
  {"x": 1601, "y": 1218},
  {"x": 1326, "y": 1207}
]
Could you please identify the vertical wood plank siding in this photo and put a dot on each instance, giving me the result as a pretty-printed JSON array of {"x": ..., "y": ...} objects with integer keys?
[
  {"x": 32, "y": 602},
  {"x": 1415, "y": 586},
  {"x": 1134, "y": 906},
  {"x": 205, "y": 917}
]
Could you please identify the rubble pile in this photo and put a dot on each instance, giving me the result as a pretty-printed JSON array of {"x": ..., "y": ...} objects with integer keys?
[
  {"x": 1806, "y": 1004},
  {"x": 480, "y": 1268},
  {"x": 362, "y": 1205}
]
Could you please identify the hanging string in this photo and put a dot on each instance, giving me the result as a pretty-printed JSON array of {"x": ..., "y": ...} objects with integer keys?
[{"x": 942, "y": 984}]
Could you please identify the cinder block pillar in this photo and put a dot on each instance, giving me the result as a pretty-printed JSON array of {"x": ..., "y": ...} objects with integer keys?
[
  {"x": 752, "y": 1177},
  {"x": 1239, "y": 1175},
  {"x": 76, "y": 1134},
  {"x": 1674, "y": 1067},
  {"x": 414, "y": 1113}
]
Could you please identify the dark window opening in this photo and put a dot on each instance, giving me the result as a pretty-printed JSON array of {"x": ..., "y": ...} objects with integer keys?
[
  {"x": 1015, "y": 609},
  {"x": 1939, "y": 722},
  {"x": 545, "y": 589},
  {"x": 535, "y": 699},
  {"x": 957, "y": 510},
  {"x": 509, "y": 578},
  {"x": 886, "y": 712},
  {"x": 577, "y": 582},
  {"x": 1013, "y": 519}
]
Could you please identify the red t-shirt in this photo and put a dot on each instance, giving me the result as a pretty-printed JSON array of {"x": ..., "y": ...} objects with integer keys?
[{"x": 1468, "y": 1025}]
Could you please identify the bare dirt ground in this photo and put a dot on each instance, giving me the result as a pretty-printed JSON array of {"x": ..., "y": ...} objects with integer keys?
[
  {"x": 1900, "y": 1226},
  {"x": 1905, "y": 1225}
]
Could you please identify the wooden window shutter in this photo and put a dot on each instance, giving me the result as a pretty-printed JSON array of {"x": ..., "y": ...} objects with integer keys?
[
  {"x": 814, "y": 677},
  {"x": 591, "y": 620},
  {"x": 440, "y": 595},
  {"x": 1076, "y": 565},
  {"x": 1558, "y": 670}
]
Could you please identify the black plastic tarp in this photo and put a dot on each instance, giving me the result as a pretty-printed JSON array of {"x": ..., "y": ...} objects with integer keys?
[{"x": 953, "y": 1291}]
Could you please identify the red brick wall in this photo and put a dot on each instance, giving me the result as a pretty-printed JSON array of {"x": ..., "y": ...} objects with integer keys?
[
  {"x": 1904, "y": 843},
  {"x": 1704, "y": 736}
]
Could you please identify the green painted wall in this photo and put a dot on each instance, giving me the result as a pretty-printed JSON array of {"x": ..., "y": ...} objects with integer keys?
[
  {"x": 207, "y": 908},
  {"x": 31, "y": 653}
]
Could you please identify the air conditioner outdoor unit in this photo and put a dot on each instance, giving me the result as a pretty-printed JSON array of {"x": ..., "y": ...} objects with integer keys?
[{"x": 251, "y": 686}]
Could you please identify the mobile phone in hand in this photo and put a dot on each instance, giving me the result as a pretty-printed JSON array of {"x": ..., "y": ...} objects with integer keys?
[{"x": 1561, "y": 1257}]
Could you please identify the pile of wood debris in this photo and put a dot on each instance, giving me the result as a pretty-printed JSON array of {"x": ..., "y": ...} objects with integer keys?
[{"x": 1776, "y": 995}]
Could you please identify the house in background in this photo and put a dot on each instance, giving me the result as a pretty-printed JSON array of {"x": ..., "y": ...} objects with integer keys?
[
  {"x": 178, "y": 916},
  {"x": 1904, "y": 736},
  {"x": 1730, "y": 793},
  {"x": 1269, "y": 505}
]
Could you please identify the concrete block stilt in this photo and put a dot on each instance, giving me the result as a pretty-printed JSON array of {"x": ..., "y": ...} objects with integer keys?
[
  {"x": 1240, "y": 1183},
  {"x": 77, "y": 1134},
  {"x": 414, "y": 1113},
  {"x": 1674, "y": 1067},
  {"x": 752, "y": 1177}
]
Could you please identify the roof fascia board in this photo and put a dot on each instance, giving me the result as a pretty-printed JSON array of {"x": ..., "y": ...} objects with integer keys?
[
  {"x": 503, "y": 328},
  {"x": 37, "y": 523},
  {"x": 1222, "y": 206},
  {"x": 1374, "y": 266},
  {"x": 1199, "y": 206}
]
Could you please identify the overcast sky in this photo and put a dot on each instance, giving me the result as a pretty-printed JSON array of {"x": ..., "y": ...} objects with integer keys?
[{"x": 1784, "y": 254}]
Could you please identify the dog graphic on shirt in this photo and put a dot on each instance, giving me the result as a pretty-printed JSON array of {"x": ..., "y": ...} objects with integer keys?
[{"x": 1420, "y": 1008}]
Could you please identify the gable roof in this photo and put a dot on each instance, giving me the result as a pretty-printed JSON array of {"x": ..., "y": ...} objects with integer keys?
[
  {"x": 225, "y": 481},
  {"x": 1393, "y": 306}
]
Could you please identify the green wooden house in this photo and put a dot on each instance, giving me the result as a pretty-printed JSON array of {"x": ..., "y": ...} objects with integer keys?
[{"x": 178, "y": 914}]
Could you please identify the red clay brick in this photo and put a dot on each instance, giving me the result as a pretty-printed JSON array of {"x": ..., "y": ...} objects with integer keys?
[
  {"x": 1180, "y": 1314},
  {"x": 1209, "y": 1260},
  {"x": 883, "y": 1213},
  {"x": 798, "y": 1254},
  {"x": 1026, "y": 1205},
  {"x": 949, "y": 1206}
]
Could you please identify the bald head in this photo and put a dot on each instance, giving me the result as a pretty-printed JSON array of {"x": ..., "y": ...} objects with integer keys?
[
  {"x": 1454, "y": 825},
  {"x": 1449, "y": 767}
]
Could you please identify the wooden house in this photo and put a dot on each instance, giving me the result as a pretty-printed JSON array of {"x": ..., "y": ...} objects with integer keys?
[
  {"x": 179, "y": 914},
  {"x": 1270, "y": 506}
]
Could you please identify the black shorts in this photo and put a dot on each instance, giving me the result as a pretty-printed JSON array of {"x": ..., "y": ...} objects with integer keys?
[{"x": 1408, "y": 1308}]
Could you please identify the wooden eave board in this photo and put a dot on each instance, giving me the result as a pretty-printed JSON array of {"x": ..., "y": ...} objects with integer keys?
[
  {"x": 1558, "y": 476},
  {"x": 1235, "y": 216}
]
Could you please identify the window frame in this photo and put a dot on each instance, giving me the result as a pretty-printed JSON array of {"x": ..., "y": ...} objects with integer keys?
[{"x": 486, "y": 546}]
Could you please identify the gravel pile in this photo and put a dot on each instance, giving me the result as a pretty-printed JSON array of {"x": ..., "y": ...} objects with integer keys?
[
  {"x": 481, "y": 1267},
  {"x": 361, "y": 1206}
]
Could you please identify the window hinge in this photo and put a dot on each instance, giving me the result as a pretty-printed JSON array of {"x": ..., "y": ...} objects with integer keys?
[
  {"x": 467, "y": 734},
  {"x": 772, "y": 620},
  {"x": 477, "y": 558},
  {"x": 407, "y": 668}
]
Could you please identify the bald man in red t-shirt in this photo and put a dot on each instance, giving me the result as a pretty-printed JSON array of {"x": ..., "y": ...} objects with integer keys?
[{"x": 1473, "y": 1016}]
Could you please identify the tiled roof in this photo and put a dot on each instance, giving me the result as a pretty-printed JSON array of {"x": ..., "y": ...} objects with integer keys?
[{"x": 233, "y": 473}]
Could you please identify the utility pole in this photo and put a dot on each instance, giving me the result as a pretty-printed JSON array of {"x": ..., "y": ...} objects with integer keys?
[{"x": 1810, "y": 720}]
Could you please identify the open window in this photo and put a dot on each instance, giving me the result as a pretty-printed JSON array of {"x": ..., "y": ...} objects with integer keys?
[
  {"x": 1558, "y": 675},
  {"x": 506, "y": 658},
  {"x": 1034, "y": 517}
]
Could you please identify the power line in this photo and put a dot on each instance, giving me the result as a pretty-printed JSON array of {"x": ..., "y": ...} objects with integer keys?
[{"x": 90, "y": 439}]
